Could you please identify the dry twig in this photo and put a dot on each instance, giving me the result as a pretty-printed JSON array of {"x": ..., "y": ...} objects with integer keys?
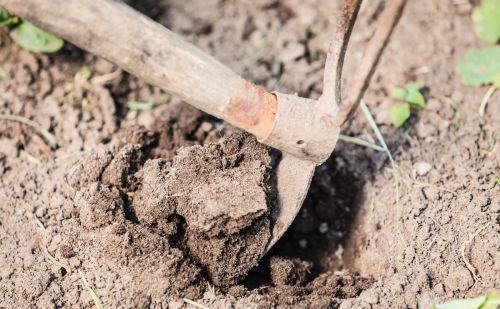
[
  {"x": 49, "y": 137},
  {"x": 485, "y": 100},
  {"x": 465, "y": 245},
  {"x": 193, "y": 303}
]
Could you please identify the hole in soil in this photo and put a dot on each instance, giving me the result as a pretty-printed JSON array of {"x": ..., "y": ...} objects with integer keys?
[
  {"x": 129, "y": 211},
  {"x": 322, "y": 226},
  {"x": 178, "y": 239}
]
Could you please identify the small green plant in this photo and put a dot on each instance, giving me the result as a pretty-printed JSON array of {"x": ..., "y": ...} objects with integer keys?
[
  {"x": 486, "y": 19},
  {"x": 6, "y": 19},
  {"x": 139, "y": 105},
  {"x": 489, "y": 301},
  {"x": 410, "y": 97},
  {"x": 482, "y": 67},
  {"x": 28, "y": 36},
  {"x": 85, "y": 72},
  {"x": 35, "y": 39}
]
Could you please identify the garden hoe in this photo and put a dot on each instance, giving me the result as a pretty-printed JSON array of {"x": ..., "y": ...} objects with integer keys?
[{"x": 304, "y": 130}]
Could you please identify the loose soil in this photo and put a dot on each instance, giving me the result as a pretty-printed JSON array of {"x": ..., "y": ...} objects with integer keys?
[{"x": 154, "y": 206}]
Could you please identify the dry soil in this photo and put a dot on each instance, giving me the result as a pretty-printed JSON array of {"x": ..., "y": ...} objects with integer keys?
[{"x": 151, "y": 207}]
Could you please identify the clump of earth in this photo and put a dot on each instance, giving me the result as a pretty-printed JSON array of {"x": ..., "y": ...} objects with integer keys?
[
  {"x": 210, "y": 202},
  {"x": 161, "y": 221}
]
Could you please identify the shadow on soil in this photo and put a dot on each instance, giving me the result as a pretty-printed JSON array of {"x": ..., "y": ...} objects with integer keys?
[{"x": 322, "y": 228}]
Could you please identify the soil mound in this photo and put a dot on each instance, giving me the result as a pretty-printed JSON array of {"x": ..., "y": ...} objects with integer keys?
[{"x": 158, "y": 227}]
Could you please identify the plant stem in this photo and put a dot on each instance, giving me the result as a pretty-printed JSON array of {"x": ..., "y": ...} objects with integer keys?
[
  {"x": 360, "y": 142},
  {"x": 46, "y": 134},
  {"x": 375, "y": 129}
]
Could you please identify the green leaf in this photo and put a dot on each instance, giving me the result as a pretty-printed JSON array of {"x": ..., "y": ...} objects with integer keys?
[
  {"x": 496, "y": 80},
  {"x": 4, "y": 14},
  {"x": 413, "y": 86},
  {"x": 6, "y": 19},
  {"x": 137, "y": 105},
  {"x": 411, "y": 94},
  {"x": 360, "y": 142},
  {"x": 472, "y": 303},
  {"x": 399, "y": 93},
  {"x": 480, "y": 66},
  {"x": 35, "y": 39},
  {"x": 399, "y": 113},
  {"x": 85, "y": 72},
  {"x": 489, "y": 301},
  {"x": 492, "y": 301},
  {"x": 486, "y": 19},
  {"x": 415, "y": 97}
]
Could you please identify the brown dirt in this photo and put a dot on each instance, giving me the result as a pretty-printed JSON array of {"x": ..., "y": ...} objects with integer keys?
[
  {"x": 147, "y": 221},
  {"x": 169, "y": 203}
]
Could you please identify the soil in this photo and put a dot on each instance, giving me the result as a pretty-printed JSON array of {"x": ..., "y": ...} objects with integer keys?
[{"x": 155, "y": 206}]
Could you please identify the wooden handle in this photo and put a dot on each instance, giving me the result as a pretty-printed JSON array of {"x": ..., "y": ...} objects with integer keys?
[
  {"x": 148, "y": 50},
  {"x": 307, "y": 129}
]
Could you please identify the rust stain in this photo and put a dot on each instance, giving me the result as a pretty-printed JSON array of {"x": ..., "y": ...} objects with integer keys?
[
  {"x": 346, "y": 13},
  {"x": 253, "y": 109}
]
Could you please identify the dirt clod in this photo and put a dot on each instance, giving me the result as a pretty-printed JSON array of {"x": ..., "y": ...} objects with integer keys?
[
  {"x": 288, "y": 271},
  {"x": 99, "y": 205}
]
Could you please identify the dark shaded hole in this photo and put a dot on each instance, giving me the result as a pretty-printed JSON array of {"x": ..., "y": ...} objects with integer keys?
[
  {"x": 324, "y": 222},
  {"x": 322, "y": 231},
  {"x": 128, "y": 210}
]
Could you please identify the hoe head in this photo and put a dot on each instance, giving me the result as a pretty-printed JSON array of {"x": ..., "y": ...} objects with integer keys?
[
  {"x": 293, "y": 177},
  {"x": 307, "y": 130}
]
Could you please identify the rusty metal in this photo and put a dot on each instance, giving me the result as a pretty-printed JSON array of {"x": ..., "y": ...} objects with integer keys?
[
  {"x": 253, "y": 109},
  {"x": 387, "y": 22}
]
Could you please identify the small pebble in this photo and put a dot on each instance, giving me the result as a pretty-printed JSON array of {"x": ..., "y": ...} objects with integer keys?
[
  {"x": 422, "y": 168},
  {"x": 302, "y": 243},
  {"x": 323, "y": 227},
  {"x": 206, "y": 126},
  {"x": 370, "y": 296},
  {"x": 176, "y": 304}
]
